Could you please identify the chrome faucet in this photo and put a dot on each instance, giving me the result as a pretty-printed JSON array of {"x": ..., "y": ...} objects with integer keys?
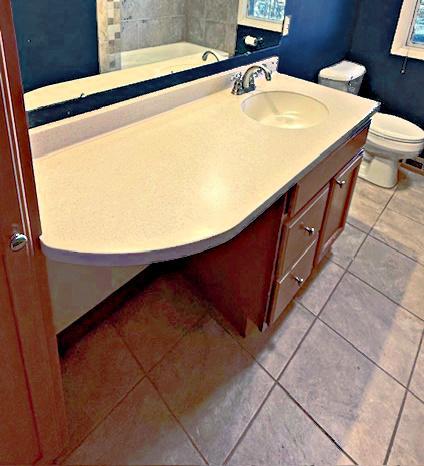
[
  {"x": 209, "y": 52},
  {"x": 246, "y": 83}
]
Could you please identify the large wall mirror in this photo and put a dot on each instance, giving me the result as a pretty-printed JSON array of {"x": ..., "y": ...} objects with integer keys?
[{"x": 73, "y": 49}]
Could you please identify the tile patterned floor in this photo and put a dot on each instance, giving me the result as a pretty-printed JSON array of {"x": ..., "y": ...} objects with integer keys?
[{"x": 340, "y": 381}]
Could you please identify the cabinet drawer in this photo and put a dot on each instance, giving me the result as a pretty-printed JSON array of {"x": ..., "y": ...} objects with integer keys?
[
  {"x": 287, "y": 288},
  {"x": 325, "y": 171},
  {"x": 301, "y": 231}
]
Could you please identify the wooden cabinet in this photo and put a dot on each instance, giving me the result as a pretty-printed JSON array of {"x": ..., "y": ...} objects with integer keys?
[
  {"x": 255, "y": 276},
  {"x": 287, "y": 288},
  {"x": 301, "y": 231},
  {"x": 341, "y": 192}
]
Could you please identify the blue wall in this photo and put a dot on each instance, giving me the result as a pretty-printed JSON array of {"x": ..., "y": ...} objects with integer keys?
[
  {"x": 402, "y": 95},
  {"x": 320, "y": 35},
  {"x": 57, "y": 40}
]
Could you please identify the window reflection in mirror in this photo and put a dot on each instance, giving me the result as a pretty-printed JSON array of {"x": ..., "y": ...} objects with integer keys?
[{"x": 138, "y": 40}]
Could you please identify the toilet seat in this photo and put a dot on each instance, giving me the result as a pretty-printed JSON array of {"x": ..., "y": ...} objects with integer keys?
[{"x": 396, "y": 129}]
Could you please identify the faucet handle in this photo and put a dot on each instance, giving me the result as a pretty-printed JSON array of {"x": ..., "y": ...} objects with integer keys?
[{"x": 238, "y": 84}]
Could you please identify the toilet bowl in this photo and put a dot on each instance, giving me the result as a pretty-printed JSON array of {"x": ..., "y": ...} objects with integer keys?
[{"x": 390, "y": 140}]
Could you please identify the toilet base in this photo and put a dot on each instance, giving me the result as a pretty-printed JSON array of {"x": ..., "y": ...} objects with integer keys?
[{"x": 379, "y": 170}]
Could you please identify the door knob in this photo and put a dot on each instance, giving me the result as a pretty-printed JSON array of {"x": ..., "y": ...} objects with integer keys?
[
  {"x": 310, "y": 230},
  {"x": 341, "y": 183},
  {"x": 18, "y": 241},
  {"x": 299, "y": 280}
]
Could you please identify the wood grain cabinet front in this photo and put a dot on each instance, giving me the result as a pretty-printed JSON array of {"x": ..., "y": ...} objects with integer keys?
[
  {"x": 287, "y": 288},
  {"x": 301, "y": 231},
  {"x": 342, "y": 187}
]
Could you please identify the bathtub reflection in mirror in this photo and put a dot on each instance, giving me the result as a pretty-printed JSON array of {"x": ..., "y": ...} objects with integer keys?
[{"x": 140, "y": 40}]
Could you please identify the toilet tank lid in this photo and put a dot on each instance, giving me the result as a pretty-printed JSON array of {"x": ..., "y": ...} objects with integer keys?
[
  {"x": 343, "y": 71},
  {"x": 396, "y": 128}
]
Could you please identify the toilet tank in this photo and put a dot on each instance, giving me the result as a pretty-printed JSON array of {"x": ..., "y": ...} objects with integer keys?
[{"x": 345, "y": 76}]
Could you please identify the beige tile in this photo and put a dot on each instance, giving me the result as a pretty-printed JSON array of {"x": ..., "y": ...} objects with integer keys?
[
  {"x": 402, "y": 233},
  {"x": 390, "y": 272},
  {"x": 410, "y": 180},
  {"x": 282, "y": 434},
  {"x": 408, "y": 447},
  {"x": 417, "y": 382},
  {"x": 97, "y": 372},
  {"x": 346, "y": 246},
  {"x": 140, "y": 431},
  {"x": 213, "y": 387},
  {"x": 155, "y": 320},
  {"x": 383, "y": 331},
  {"x": 274, "y": 347},
  {"x": 367, "y": 204},
  {"x": 320, "y": 286},
  {"x": 408, "y": 202},
  {"x": 351, "y": 398}
]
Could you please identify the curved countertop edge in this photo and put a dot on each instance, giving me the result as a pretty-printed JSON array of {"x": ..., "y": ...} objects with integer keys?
[{"x": 174, "y": 252}]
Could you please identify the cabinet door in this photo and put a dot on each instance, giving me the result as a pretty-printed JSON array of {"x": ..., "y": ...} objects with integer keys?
[{"x": 341, "y": 192}]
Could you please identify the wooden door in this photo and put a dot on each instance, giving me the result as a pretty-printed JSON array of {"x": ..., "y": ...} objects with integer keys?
[
  {"x": 341, "y": 192},
  {"x": 32, "y": 416}
]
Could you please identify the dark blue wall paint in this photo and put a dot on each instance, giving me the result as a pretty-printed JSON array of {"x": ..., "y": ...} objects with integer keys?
[
  {"x": 57, "y": 40},
  {"x": 320, "y": 35},
  {"x": 401, "y": 95}
]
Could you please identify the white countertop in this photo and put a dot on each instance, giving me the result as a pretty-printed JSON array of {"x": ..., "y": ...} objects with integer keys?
[{"x": 182, "y": 181}]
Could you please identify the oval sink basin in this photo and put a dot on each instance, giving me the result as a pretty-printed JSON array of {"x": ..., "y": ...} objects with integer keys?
[{"x": 285, "y": 109}]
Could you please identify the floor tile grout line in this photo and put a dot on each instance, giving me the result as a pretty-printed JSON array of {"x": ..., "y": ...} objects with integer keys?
[
  {"x": 357, "y": 252},
  {"x": 403, "y": 214},
  {"x": 250, "y": 423},
  {"x": 416, "y": 396},
  {"x": 395, "y": 249},
  {"x": 144, "y": 375},
  {"x": 103, "y": 419},
  {"x": 356, "y": 227},
  {"x": 166, "y": 352},
  {"x": 317, "y": 424},
  {"x": 421, "y": 319},
  {"x": 384, "y": 206},
  {"x": 148, "y": 372},
  {"x": 402, "y": 406},
  {"x": 184, "y": 334},
  {"x": 362, "y": 353},
  {"x": 191, "y": 440},
  {"x": 312, "y": 324}
]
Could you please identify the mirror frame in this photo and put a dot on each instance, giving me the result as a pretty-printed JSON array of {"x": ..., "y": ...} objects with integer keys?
[{"x": 74, "y": 107}]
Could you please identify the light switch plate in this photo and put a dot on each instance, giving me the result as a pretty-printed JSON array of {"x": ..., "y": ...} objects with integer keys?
[{"x": 286, "y": 25}]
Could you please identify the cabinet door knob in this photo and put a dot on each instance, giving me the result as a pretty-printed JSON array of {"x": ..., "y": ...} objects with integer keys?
[
  {"x": 341, "y": 183},
  {"x": 299, "y": 280},
  {"x": 310, "y": 230},
  {"x": 18, "y": 241}
]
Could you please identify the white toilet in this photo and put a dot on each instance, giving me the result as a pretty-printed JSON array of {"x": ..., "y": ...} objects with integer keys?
[{"x": 390, "y": 138}]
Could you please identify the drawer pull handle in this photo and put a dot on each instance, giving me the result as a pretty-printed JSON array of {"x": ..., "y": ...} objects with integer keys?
[
  {"x": 310, "y": 230},
  {"x": 341, "y": 183},
  {"x": 299, "y": 280}
]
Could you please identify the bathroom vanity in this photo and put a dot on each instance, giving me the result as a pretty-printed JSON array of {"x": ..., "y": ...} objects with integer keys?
[
  {"x": 256, "y": 275},
  {"x": 252, "y": 199}
]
